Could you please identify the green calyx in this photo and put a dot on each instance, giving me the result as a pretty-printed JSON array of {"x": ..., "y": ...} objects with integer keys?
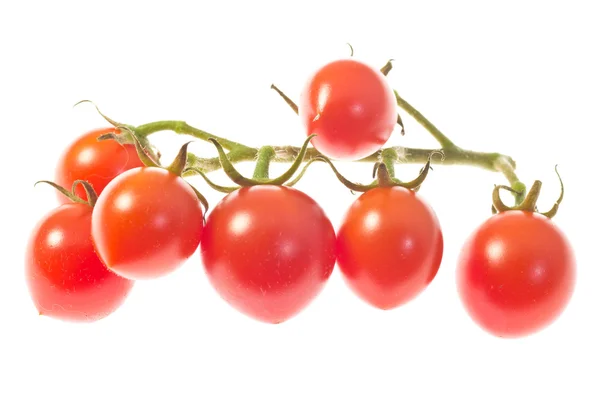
[
  {"x": 91, "y": 195},
  {"x": 147, "y": 155},
  {"x": 107, "y": 119},
  {"x": 177, "y": 167},
  {"x": 285, "y": 98},
  {"x": 261, "y": 172},
  {"x": 381, "y": 171},
  {"x": 530, "y": 201},
  {"x": 179, "y": 163},
  {"x": 127, "y": 136},
  {"x": 385, "y": 70}
]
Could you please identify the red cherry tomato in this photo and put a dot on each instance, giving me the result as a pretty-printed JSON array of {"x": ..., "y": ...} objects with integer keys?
[
  {"x": 93, "y": 161},
  {"x": 350, "y": 107},
  {"x": 66, "y": 279},
  {"x": 146, "y": 223},
  {"x": 268, "y": 251},
  {"x": 516, "y": 274},
  {"x": 389, "y": 246}
]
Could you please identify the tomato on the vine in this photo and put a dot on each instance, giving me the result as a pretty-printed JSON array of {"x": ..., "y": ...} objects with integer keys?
[
  {"x": 389, "y": 246},
  {"x": 97, "y": 162},
  {"x": 268, "y": 251},
  {"x": 351, "y": 108},
  {"x": 146, "y": 223},
  {"x": 65, "y": 277},
  {"x": 516, "y": 274}
]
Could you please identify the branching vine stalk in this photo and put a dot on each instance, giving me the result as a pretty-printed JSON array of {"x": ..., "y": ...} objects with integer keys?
[{"x": 447, "y": 154}]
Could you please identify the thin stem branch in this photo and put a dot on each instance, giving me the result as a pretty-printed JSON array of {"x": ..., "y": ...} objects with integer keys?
[
  {"x": 406, "y": 155},
  {"x": 263, "y": 159},
  {"x": 442, "y": 139},
  {"x": 507, "y": 167},
  {"x": 203, "y": 164},
  {"x": 285, "y": 98},
  {"x": 452, "y": 155},
  {"x": 183, "y": 128}
]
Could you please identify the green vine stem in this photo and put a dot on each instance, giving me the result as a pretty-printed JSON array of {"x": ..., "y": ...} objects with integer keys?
[
  {"x": 448, "y": 153},
  {"x": 389, "y": 157},
  {"x": 442, "y": 139},
  {"x": 183, "y": 128},
  {"x": 453, "y": 156},
  {"x": 264, "y": 156}
]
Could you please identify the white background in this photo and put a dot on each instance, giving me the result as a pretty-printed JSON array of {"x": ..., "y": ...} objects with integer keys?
[{"x": 515, "y": 77}]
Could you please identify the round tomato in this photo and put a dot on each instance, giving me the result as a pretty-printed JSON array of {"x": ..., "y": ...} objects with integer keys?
[
  {"x": 389, "y": 246},
  {"x": 350, "y": 107},
  {"x": 516, "y": 274},
  {"x": 93, "y": 161},
  {"x": 66, "y": 279},
  {"x": 268, "y": 251},
  {"x": 146, "y": 223}
]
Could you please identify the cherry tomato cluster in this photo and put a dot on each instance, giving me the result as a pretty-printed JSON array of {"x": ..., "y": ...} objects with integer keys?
[{"x": 269, "y": 249}]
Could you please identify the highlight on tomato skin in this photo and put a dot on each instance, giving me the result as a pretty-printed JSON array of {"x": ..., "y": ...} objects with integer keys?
[
  {"x": 97, "y": 162},
  {"x": 268, "y": 251},
  {"x": 146, "y": 223},
  {"x": 66, "y": 279},
  {"x": 351, "y": 108},
  {"x": 516, "y": 274},
  {"x": 389, "y": 246}
]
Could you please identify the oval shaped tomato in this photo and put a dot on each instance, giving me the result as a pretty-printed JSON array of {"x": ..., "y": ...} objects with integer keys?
[
  {"x": 268, "y": 251},
  {"x": 146, "y": 223},
  {"x": 350, "y": 107},
  {"x": 93, "y": 161},
  {"x": 389, "y": 246},
  {"x": 66, "y": 279},
  {"x": 516, "y": 274}
]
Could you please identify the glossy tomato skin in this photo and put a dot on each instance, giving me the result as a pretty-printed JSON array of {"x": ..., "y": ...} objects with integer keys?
[
  {"x": 268, "y": 251},
  {"x": 146, "y": 223},
  {"x": 351, "y": 108},
  {"x": 516, "y": 274},
  {"x": 389, "y": 246},
  {"x": 96, "y": 162},
  {"x": 66, "y": 279}
]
